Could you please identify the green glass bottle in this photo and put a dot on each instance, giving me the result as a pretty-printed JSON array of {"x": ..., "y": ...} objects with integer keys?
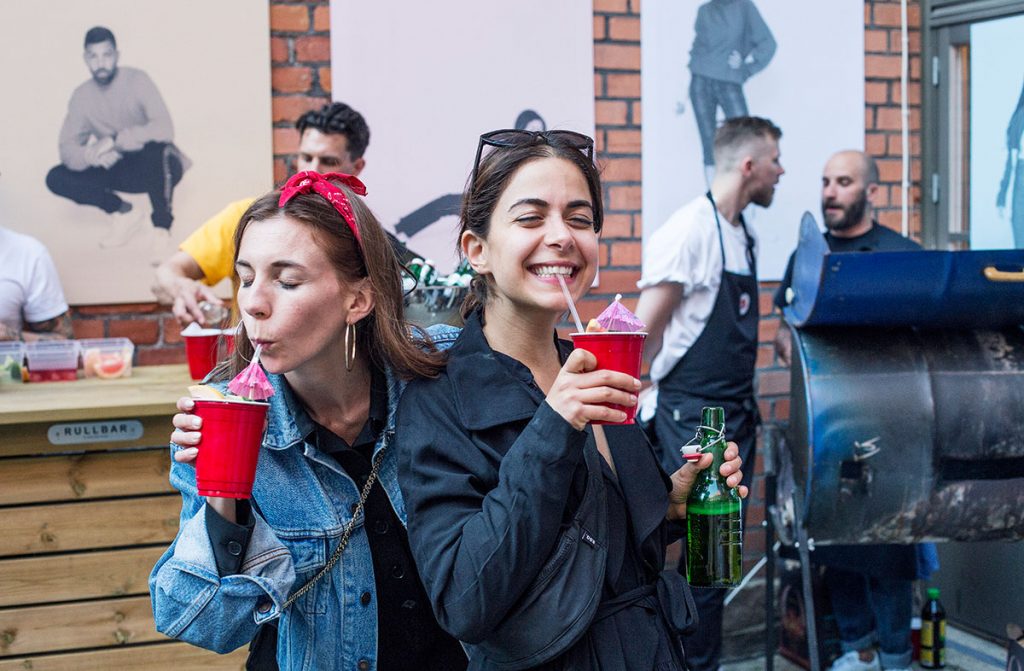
[{"x": 714, "y": 526}]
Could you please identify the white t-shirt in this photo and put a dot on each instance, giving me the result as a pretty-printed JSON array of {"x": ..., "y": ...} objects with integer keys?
[
  {"x": 685, "y": 251},
  {"x": 30, "y": 288}
]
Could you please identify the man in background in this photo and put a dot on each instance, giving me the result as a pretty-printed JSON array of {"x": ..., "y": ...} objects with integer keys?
[
  {"x": 699, "y": 301},
  {"x": 869, "y": 585},
  {"x": 118, "y": 136},
  {"x": 331, "y": 139},
  {"x": 32, "y": 305}
]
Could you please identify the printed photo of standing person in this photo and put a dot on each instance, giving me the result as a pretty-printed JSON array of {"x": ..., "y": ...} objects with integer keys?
[
  {"x": 1012, "y": 183},
  {"x": 118, "y": 137},
  {"x": 731, "y": 43}
]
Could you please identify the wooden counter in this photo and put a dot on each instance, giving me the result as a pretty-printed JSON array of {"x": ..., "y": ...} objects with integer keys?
[{"x": 85, "y": 511}]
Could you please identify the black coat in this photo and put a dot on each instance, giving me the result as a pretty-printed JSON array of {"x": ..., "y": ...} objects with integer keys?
[{"x": 491, "y": 473}]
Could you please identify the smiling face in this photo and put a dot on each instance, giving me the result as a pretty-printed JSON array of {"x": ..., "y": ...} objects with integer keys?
[
  {"x": 286, "y": 281},
  {"x": 542, "y": 227}
]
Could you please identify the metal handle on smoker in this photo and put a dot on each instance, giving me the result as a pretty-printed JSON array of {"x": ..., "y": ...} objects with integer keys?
[{"x": 993, "y": 274}]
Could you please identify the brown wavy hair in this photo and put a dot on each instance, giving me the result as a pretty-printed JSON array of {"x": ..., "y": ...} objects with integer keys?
[{"x": 383, "y": 335}]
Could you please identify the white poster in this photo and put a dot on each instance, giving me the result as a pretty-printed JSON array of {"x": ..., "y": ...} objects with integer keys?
[
  {"x": 803, "y": 69},
  {"x": 431, "y": 77},
  {"x": 997, "y": 135},
  {"x": 153, "y": 144}
]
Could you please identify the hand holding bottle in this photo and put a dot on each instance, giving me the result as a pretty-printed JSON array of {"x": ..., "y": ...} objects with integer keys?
[{"x": 684, "y": 478}]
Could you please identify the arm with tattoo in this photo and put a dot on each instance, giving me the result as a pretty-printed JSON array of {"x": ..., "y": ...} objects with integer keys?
[{"x": 58, "y": 328}]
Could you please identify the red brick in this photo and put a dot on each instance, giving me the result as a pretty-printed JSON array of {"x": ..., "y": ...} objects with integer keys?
[
  {"x": 617, "y": 282},
  {"x": 915, "y": 68},
  {"x": 634, "y": 6},
  {"x": 881, "y": 196},
  {"x": 773, "y": 383},
  {"x": 286, "y": 141},
  {"x": 619, "y": 6},
  {"x": 876, "y": 40},
  {"x": 623, "y": 142},
  {"x": 765, "y": 356},
  {"x": 87, "y": 328},
  {"x": 890, "y": 170},
  {"x": 765, "y": 298},
  {"x": 634, "y": 113},
  {"x": 876, "y": 93},
  {"x": 624, "y": 28},
  {"x": 599, "y": 90},
  {"x": 616, "y": 56},
  {"x": 617, "y": 226},
  {"x": 313, "y": 48},
  {"x": 600, "y": 28},
  {"x": 291, "y": 80},
  {"x": 139, "y": 331},
  {"x": 280, "y": 170},
  {"x": 611, "y": 112},
  {"x": 766, "y": 329},
  {"x": 886, "y": 14},
  {"x": 324, "y": 76},
  {"x": 621, "y": 170},
  {"x": 172, "y": 331},
  {"x": 888, "y": 118},
  {"x": 158, "y": 356},
  {"x": 624, "y": 198},
  {"x": 278, "y": 50},
  {"x": 289, "y": 18},
  {"x": 874, "y": 144},
  {"x": 623, "y": 85},
  {"x": 780, "y": 409},
  {"x": 895, "y": 146},
  {"x": 625, "y": 253},
  {"x": 882, "y": 67},
  {"x": 913, "y": 93},
  {"x": 322, "y": 19},
  {"x": 290, "y": 108}
]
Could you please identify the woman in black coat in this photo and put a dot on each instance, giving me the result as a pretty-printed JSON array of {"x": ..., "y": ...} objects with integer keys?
[{"x": 540, "y": 539}]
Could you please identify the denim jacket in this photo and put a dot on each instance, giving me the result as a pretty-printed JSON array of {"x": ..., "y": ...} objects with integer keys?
[{"x": 302, "y": 501}]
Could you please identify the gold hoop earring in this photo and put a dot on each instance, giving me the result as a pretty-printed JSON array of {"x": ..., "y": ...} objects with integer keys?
[{"x": 350, "y": 346}]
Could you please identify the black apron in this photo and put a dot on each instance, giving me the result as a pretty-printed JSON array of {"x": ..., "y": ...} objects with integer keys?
[{"x": 718, "y": 369}]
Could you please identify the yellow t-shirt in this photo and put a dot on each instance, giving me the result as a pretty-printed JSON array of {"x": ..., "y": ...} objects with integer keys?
[{"x": 212, "y": 245}]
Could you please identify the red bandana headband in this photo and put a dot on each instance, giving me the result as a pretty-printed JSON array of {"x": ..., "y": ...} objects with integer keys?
[{"x": 310, "y": 181}]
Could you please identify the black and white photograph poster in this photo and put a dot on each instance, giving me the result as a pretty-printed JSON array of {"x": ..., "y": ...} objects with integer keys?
[
  {"x": 431, "y": 77},
  {"x": 997, "y": 135},
  {"x": 786, "y": 60},
  {"x": 125, "y": 129}
]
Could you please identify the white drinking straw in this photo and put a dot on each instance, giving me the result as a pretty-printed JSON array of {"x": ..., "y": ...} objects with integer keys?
[{"x": 572, "y": 306}]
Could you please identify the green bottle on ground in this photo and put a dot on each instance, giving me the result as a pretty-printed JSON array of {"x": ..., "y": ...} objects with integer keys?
[
  {"x": 933, "y": 632},
  {"x": 714, "y": 523}
]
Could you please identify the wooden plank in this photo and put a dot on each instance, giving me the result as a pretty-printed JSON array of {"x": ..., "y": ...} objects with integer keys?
[
  {"x": 18, "y": 440},
  {"x": 74, "y": 577},
  {"x": 84, "y": 476},
  {"x": 152, "y": 657},
  {"x": 150, "y": 391},
  {"x": 91, "y": 624},
  {"x": 84, "y": 526}
]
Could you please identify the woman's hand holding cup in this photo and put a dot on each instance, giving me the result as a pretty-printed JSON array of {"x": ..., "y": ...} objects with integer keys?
[
  {"x": 580, "y": 390},
  {"x": 186, "y": 432}
]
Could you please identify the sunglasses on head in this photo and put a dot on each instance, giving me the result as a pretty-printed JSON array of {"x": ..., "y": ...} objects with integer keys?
[{"x": 513, "y": 137}]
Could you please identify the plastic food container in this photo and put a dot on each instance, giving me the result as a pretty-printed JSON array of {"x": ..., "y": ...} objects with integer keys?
[
  {"x": 107, "y": 358},
  {"x": 52, "y": 360},
  {"x": 12, "y": 362}
]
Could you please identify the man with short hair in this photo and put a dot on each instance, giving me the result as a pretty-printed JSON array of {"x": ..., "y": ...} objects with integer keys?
[
  {"x": 699, "y": 301},
  {"x": 118, "y": 136},
  {"x": 32, "y": 305},
  {"x": 332, "y": 139},
  {"x": 869, "y": 585}
]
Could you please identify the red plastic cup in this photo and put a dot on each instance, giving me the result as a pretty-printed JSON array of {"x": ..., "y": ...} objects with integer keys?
[
  {"x": 230, "y": 447},
  {"x": 203, "y": 350},
  {"x": 617, "y": 351}
]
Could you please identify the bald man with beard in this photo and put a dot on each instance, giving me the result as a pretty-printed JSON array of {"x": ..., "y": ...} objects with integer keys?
[{"x": 869, "y": 585}]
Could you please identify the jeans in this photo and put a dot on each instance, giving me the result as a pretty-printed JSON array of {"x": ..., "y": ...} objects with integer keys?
[
  {"x": 706, "y": 96},
  {"x": 869, "y": 609},
  {"x": 154, "y": 170}
]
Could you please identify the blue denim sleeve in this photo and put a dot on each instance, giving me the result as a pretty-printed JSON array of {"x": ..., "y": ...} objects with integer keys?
[
  {"x": 483, "y": 519},
  {"x": 192, "y": 602}
]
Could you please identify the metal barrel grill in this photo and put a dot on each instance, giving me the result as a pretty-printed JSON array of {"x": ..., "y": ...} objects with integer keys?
[{"x": 907, "y": 414}]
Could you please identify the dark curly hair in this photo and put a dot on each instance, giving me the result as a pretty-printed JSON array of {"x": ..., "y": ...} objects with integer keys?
[{"x": 338, "y": 119}]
